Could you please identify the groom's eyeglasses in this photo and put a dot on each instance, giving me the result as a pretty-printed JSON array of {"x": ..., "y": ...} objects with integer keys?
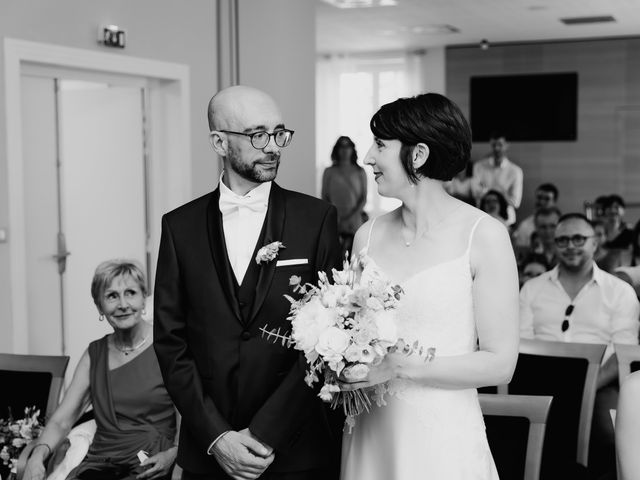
[
  {"x": 567, "y": 314},
  {"x": 261, "y": 139}
]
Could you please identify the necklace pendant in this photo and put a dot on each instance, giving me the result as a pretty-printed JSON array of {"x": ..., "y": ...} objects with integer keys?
[{"x": 407, "y": 244}]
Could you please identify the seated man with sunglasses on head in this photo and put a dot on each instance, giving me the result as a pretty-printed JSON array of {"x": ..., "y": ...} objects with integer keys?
[{"x": 578, "y": 302}]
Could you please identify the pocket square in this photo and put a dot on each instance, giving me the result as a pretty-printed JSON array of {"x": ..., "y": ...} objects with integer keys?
[{"x": 293, "y": 261}]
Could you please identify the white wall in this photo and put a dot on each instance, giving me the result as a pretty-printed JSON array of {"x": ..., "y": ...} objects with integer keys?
[
  {"x": 277, "y": 54},
  {"x": 180, "y": 32}
]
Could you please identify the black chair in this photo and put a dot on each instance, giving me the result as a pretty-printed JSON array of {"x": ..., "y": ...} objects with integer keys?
[
  {"x": 567, "y": 372},
  {"x": 628, "y": 360},
  {"x": 515, "y": 430},
  {"x": 31, "y": 381},
  {"x": 490, "y": 389}
]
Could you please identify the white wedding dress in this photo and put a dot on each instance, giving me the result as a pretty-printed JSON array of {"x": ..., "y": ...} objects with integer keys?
[{"x": 424, "y": 432}]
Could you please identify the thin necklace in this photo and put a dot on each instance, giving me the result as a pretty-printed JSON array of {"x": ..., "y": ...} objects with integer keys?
[
  {"x": 408, "y": 243},
  {"x": 128, "y": 350}
]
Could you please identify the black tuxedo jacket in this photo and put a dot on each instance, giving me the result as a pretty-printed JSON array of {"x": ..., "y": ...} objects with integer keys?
[{"x": 220, "y": 371}]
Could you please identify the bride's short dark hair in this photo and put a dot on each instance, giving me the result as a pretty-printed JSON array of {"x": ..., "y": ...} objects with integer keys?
[{"x": 434, "y": 120}]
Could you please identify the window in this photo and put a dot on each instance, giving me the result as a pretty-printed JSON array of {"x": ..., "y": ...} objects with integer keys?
[{"x": 349, "y": 93}]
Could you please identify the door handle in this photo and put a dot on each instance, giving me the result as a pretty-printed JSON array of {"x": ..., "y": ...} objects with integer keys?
[{"x": 63, "y": 253}]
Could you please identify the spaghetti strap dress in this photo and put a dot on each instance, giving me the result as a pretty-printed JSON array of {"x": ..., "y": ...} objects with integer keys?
[{"x": 425, "y": 432}]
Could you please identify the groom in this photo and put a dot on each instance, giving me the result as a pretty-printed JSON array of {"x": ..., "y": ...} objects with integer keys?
[{"x": 246, "y": 410}]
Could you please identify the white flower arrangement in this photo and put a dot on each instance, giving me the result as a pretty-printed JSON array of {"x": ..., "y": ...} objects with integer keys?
[
  {"x": 344, "y": 328},
  {"x": 269, "y": 252}
]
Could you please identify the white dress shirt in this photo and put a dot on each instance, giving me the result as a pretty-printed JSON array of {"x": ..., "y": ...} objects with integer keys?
[
  {"x": 242, "y": 219},
  {"x": 507, "y": 178},
  {"x": 606, "y": 310}
]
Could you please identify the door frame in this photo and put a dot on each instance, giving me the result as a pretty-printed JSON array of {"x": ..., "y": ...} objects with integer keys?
[{"x": 169, "y": 174}]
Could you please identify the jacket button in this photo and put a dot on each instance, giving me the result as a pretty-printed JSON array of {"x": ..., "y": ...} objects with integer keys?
[{"x": 246, "y": 335}]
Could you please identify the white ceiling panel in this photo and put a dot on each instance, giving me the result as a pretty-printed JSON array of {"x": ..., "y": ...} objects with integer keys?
[{"x": 414, "y": 24}]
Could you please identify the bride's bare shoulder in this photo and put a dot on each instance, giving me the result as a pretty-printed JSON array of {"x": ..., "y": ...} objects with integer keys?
[{"x": 379, "y": 223}]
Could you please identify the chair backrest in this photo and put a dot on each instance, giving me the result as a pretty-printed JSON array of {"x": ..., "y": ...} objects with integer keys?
[
  {"x": 628, "y": 360},
  {"x": 515, "y": 431},
  {"x": 568, "y": 372},
  {"x": 31, "y": 380}
]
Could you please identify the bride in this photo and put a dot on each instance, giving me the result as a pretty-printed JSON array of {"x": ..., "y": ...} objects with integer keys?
[{"x": 458, "y": 271}]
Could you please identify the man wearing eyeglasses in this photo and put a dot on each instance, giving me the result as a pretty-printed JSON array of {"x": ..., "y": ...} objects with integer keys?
[
  {"x": 246, "y": 410},
  {"x": 578, "y": 302}
]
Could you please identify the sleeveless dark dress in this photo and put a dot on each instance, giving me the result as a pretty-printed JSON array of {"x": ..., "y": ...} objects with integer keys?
[{"x": 133, "y": 412}]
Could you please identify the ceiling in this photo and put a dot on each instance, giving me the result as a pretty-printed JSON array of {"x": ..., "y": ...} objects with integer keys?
[{"x": 410, "y": 24}]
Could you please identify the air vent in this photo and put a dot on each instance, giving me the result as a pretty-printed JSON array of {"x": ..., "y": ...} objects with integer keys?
[{"x": 587, "y": 20}]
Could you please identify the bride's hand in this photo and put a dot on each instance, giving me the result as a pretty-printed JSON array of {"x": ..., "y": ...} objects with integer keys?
[{"x": 381, "y": 373}]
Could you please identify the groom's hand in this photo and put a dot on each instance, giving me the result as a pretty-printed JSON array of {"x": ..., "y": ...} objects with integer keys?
[
  {"x": 241, "y": 456},
  {"x": 247, "y": 432}
]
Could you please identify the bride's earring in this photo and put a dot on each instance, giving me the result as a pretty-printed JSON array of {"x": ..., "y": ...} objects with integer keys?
[{"x": 101, "y": 317}]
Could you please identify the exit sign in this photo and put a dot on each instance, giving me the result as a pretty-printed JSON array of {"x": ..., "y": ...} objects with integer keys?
[{"x": 112, "y": 36}]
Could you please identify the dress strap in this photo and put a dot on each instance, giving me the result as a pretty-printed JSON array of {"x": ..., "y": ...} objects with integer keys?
[
  {"x": 473, "y": 229},
  {"x": 366, "y": 248}
]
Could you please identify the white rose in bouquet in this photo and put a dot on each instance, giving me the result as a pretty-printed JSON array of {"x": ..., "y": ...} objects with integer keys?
[
  {"x": 332, "y": 342},
  {"x": 311, "y": 320}
]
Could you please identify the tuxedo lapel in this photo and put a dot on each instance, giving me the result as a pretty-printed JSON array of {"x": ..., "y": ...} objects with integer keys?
[
  {"x": 274, "y": 226},
  {"x": 218, "y": 248}
]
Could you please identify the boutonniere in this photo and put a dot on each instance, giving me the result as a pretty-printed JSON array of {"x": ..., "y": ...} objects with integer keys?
[{"x": 269, "y": 252}]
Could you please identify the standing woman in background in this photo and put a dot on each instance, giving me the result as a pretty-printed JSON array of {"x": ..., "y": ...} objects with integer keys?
[{"x": 344, "y": 184}]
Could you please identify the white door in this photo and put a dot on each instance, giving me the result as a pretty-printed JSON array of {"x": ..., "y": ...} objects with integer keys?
[{"x": 93, "y": 204}]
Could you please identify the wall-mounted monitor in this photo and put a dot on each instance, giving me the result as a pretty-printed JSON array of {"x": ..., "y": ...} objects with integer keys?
[{"x": 527, "y": 108}]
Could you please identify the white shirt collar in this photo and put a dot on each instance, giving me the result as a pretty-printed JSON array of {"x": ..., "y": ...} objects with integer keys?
[
  {"x": 503, "y": 164},
  {"x": 261, "y": 192},
  {"x": 596, "y": 273}
]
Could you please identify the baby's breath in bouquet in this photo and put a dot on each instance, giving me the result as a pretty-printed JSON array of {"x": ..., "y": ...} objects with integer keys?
[
  {"x": 15, "y": 435},
  {"x": 344, "y": 328}
]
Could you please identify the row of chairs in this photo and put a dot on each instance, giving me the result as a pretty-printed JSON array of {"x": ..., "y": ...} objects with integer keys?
[
  {"x": 566, "y": 374},
  {"x": 545, "y": 409}
]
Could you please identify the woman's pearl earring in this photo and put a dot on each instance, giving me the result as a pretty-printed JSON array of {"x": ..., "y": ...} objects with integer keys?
[{"x": 101, "y": 317}]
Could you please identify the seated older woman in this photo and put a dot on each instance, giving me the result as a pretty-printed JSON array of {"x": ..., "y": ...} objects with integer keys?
[{"x": 119, "y": 375}]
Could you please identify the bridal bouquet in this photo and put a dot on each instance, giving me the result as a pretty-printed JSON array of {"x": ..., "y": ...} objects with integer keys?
[
  {"x": 14, "y": 435},
  {"x": 344, "y": 328}
]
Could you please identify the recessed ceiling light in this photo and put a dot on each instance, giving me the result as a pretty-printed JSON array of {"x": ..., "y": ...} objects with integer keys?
[
  {"x": 421, "y": 30},
  {"x": 361, "y": 3}
]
